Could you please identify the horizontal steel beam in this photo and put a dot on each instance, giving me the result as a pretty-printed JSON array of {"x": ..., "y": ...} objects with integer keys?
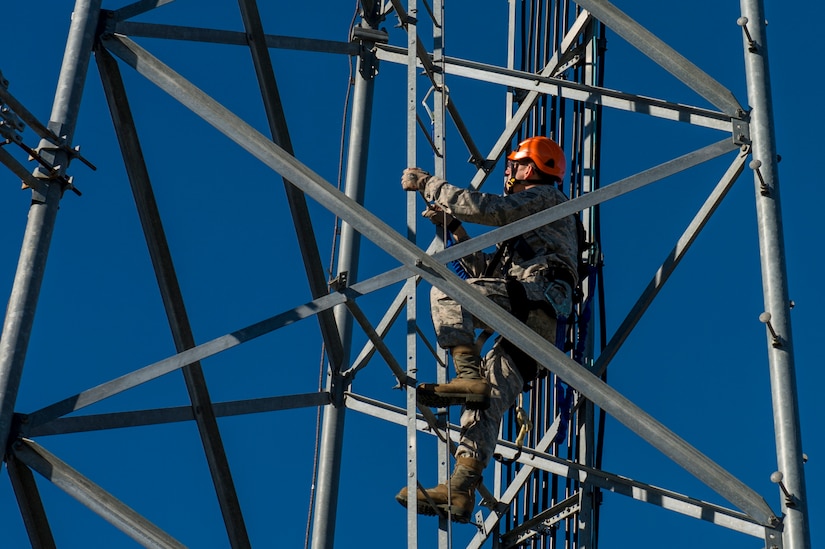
[
  {"x": 566, "y": 89},
  {"x": 640, "y": 491},
  {"x": 536, "y": 458},
  {"x": 233, "y": 38},
  {"x": 138, "y": 418}
]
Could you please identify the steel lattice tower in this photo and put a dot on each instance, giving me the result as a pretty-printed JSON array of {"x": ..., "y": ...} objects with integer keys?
[{"x": 366, "y": 311}]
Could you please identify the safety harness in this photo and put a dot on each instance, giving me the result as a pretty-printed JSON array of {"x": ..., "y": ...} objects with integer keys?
[
  {"x": 520, "y": 304},
  {"x": 520, "y": 307}
]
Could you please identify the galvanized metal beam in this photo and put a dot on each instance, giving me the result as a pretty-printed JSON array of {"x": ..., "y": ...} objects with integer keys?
[
  {"x": 25, "y": 114},
  {"x": 31, "y": 267},
  {"x": 125, "y": 382},
  {"x": 136, "y": 8},
  {"x": 304, "y": 231},
  {"x": 667, "y": 499},
  {"x": 549, "y": 84},
  {"x": 403, "y": 377},
  {"x": 20, "y": 170},
  {"x": 381, "y": 329},
  {"x": 30, "y": 504},
  {"x": 121, "y": 516},
  {"x": 349, "y": 248},
  {"x": 587, "y": 152},
  {"x": 233, "y": 38},
  {"x": 778, "y": 334},
  {"x": 537, "y": 458},
  {"x": 542, "y": 522},
  {"x": 157, "y": 416},
  {"x": 665, "y": 56},
  {"x": 415, "y": 51},
  {"x": 172, "y": 297}
]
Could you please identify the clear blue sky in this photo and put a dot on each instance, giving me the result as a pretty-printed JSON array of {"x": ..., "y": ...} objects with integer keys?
[{"x": 697, "y": 361}]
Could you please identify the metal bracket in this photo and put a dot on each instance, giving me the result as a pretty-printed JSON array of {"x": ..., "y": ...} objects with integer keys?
[
  {"x": 368, "y": 38},
  {"x": 569, "y": 59},
  {"x": 482, "y": 163},
  {"x": 10, "y": 124},
  {"x": 479, "y": 522},
  {"x": 773, "y": 538},
  {"x": 378, "y": 36},
  {"x": 741, "y": 132},
  {"x": 14, "y": 117},
  {"x": 339, "y": 283}
]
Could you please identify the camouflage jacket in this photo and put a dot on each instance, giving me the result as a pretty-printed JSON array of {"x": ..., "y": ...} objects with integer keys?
[{"x": 553, "y": 246}]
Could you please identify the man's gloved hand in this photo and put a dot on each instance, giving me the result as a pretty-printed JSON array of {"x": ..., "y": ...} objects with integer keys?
[
  {"x": 437, "y": 217},
  {"x": 414, "y": 179}
]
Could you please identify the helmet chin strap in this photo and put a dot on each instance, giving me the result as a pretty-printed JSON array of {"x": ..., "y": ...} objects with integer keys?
[{"x": 508, "y": 184}]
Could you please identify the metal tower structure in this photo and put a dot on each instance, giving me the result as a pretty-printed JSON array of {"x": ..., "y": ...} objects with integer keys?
[{"x": 546, "y": 493}]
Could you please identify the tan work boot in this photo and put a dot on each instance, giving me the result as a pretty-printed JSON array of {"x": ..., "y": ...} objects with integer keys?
[
  {"x": 468, "y": 388},
  {"x": 458, "y": 499}
]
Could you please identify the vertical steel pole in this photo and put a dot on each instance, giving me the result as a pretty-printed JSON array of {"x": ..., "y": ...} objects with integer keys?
[
  {"x": 43, "y": 211},
  {"x": 439, "y": 139},
  {"x": 411, "y": 23},
  {"x": 796, "y": 533},
  {"x": 586, "y": 525},
  {"x": 329, "y": 460}
]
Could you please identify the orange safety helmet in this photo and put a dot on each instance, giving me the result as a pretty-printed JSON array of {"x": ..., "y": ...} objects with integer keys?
[{"x": 544, "y": 152}]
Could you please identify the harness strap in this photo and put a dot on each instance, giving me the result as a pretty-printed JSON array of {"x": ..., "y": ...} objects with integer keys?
[
  {"x": 524, "y": 249},
  {"x": 519, "y": 304},
  {"x": 519, "y": 246},
  {"x": 526, "y": 252},
  {"x": 496, "y": 259},
  {"x": 520, "y": 307}
]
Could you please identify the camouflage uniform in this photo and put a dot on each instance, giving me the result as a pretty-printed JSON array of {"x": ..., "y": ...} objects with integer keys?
[
  {"x": 545, "y": 262},
  {"x": 479, "y": 428}
]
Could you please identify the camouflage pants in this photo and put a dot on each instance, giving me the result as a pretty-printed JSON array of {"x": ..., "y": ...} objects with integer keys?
[
  {"x": 455, "y": 326},
  {"x": 480, "y": 428}
]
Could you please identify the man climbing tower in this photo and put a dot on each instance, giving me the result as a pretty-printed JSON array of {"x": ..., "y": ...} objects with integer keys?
[{"x": 532, "y": 276}]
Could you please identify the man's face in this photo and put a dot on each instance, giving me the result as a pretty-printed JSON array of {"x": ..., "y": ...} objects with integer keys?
[
  {"x": 515, "y": 175},
  {"x": 515, "y": 169}
]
